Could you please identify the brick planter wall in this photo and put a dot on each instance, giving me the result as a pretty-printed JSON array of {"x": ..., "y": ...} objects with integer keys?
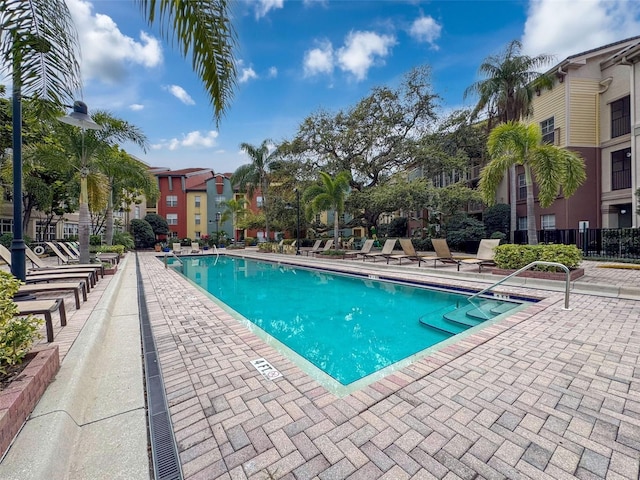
[
  {"x": 573, "y": 274},
  {"x": 19, "y": 399}
]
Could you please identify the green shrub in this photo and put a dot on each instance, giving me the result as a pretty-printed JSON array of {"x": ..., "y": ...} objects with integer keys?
[
  {"x": 514, "y": 257},
  {"x": 119, "y": 249},
  {"x": 17, "y": 334},
  {"x": 125, "y": 239},
  {"x": 95, "y": 240},
  {"x": 500, "y": 235},
  {"x": 497, "y": 218},
  {"x": 462, "y": 229},
  {"x": 568, "y": 255},
  {"x": 249, "y": 241},
  {"x": 142, "y": 232},
  {"x": 422, "y": 244},
  {"x": 6, "y": 239}
]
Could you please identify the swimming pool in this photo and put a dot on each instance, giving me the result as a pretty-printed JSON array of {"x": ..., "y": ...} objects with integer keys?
[{"x": 347, "y": 326}]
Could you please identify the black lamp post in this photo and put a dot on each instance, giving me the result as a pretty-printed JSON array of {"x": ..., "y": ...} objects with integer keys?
[
  {"x": 18, "y": 258},
  {"x": 298, "y": 226},
  {"x": 80, "y": 118}
]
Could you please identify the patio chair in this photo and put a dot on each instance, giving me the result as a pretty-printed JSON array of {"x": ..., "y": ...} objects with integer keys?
[
  {"x": 65, "y": 249},
  {"x": 366, "y": 248},
  {"x": 176, "y": 248},
  {"x": 76, "y": 287},
  {"x": 57, "y": 276},
  {"x": 387, "y": 250},
  {"x": 327, "y": 246},
  {"x": 46, "y": 308},
  {"x": 443, "y": 254},
  {"x": 195, "y": 247},
  {"x": 61, "y": 256},
  {"x": 38, "y": 264},
  {"x": 408, "y": 252},
  {"x": 485, "y": 255},
  {"x": 42, "y": 269},
  {"x": 316, "y": 246}
]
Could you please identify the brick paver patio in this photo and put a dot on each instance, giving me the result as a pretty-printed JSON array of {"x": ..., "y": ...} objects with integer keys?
[{"x": 545, "y": 393}]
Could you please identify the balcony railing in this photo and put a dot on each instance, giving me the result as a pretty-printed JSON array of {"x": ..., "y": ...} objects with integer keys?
[
  {"x": 620, "y": 180},
  {"x": 620, "y": 126}
]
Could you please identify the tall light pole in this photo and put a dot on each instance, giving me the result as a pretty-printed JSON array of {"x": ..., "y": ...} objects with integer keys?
[
  {"x": 18, "y": 258},
  {"x": 298, "y": 225},
  {"x": 80, "y": 118}
]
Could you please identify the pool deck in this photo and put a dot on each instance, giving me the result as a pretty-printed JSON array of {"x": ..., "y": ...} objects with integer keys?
[{"x": 545, "y": 393}]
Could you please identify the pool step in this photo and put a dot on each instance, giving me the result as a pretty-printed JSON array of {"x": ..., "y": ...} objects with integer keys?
[
  {"x": 474, "y": 314},
  {"x": 438, "y": 321}
]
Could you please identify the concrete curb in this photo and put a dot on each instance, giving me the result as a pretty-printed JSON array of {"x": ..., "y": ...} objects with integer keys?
[{"x": 91, "y": 421}]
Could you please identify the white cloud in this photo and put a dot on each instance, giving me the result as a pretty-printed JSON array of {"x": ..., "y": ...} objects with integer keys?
[
  {"x": 263, "y": 7},
  {"x": 319, "y": 60},
  {"x": 181, "y": 94},
  {"x": 247, "y": 74},
  {"x": 273, "y": 72},
  {"x": 108, "y": 54},
  {"x": 567, "y": 27},
  {"x": 195, "y": 139},
  {"x": 362, "y": 50},
  {"x": 426, "y": 30},
  {"x": 136, "y": 107}
]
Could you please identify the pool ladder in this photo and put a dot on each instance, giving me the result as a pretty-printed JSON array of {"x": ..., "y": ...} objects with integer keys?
[{"x": 527, "y": 267}]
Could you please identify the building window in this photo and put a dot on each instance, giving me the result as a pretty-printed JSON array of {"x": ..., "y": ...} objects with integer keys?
[
  {"x": 69, "y": 230},
  {"x": 219, "y": 200},
  {"x": 198, "y": 235},
  {"x": 317, "y": 218},
  {"x": 259, "y": 202},
  {"x": 621, "y": 169},
  {"x": 620, "y": 117},
  {"x": 522, "y": 186},
  {"x": 172, "y": 200},
  {"x": 6, "y": 225},
  {"x": 172, "y": 218},
  {"x": 547, "y": 127},
  {"x": 197, "y": 219},
  {"x": 197, "y": 201},
  {"x": 136, "y": 212},
  {"x": 45, "y": 234},
  {"x": 522, "y": 223},
  {"x": 548, "y": 222}
]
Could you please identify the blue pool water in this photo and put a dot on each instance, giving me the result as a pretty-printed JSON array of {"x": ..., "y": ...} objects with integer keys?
[{"x": 349, "y": 327}]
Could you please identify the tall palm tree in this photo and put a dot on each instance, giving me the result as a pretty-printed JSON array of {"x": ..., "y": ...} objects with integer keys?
[
  {"x": 507, "y": 92},
  {"x": 553, "y": 168},
  {"x": 255, "y": 175},
  {"x": 330, "y": 194},
  {"x": 235, "y": 208},
  {"x": 83, "y": 148},
  {"x": 123, "y": 173}
]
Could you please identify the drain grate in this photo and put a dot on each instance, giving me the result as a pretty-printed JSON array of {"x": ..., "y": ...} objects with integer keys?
[{"x": 164, "y": 454}]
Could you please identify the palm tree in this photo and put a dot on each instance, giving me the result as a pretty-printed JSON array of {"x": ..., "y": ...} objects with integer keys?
[
  {"x": 83, "y": 148},
  {"x": 235, "y": 208},
  {"x": 329, "y": 195},
  {"x": 255, "y": 175},
  {"x": 554, "y": 168},
  {"x": 124, "y": 174},
  {"x": 507, "y": 93}
]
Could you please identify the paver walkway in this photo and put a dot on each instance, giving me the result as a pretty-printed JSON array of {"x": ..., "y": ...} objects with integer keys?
[{"x": 545, "y": 393}]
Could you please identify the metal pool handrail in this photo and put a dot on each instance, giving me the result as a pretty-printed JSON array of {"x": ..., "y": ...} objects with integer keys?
[
  {"x": 171, "y": 254},
  {"x": 527, "y": 267},
  {"x": 215, "y": 250}
]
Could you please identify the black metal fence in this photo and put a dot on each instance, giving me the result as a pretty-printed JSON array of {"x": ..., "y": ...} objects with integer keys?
[{"x": 607, "y": 243}]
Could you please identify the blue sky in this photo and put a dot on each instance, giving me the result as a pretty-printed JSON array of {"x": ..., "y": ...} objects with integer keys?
[{"x": 296, "y": 57}]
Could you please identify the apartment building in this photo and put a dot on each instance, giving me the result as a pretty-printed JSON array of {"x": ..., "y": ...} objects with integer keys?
[
  {"x": 179, "y": 190},
  {"x": 592, "y": 109}
]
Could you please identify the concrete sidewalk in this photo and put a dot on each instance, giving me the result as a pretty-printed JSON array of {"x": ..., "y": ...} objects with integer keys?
[{"x": 91, "y": 421}]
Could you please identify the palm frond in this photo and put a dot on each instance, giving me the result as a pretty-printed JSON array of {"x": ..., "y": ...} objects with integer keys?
[
  {"x": 203, "y": 28},
  {"x": 38, "y": 38}
]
